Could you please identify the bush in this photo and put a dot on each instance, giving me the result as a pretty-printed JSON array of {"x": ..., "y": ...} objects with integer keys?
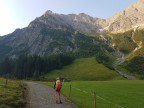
[{"x": 136, "y": 65}]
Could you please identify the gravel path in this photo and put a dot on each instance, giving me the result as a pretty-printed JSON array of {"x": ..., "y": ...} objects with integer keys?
[{"x": 42, "y": 96}]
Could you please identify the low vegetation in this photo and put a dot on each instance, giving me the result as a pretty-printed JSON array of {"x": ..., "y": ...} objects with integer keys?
[
  {"x": 12, "y": 94},
  {"x": 139, "y": 39},
  {"x": 109, "y": 94},
  {"x": 139, "y": 35},
  {"x": 127, "y": 42},
  {"x": 84, "y": 69},
  {"x": 123, "y": 41},
  {"x": 135, "y": 67}
]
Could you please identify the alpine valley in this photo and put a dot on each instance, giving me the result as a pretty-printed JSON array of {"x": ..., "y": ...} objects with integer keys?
[{"x": 116, "y": 42}]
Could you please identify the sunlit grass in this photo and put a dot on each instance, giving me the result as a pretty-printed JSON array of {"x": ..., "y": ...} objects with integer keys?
[{"x": 85, "y": 69}]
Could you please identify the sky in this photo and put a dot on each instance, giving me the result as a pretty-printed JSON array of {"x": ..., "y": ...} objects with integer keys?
[{"x": 19, "y": 13}]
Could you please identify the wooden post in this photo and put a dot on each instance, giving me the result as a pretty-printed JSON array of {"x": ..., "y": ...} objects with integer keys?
[
  {"x": 94, "y": 100},
  {"x": 70, "y": 91},
  {"x": 6, "y": 82}
]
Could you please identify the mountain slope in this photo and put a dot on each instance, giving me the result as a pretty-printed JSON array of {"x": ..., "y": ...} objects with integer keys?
[
  {"x": 54, "y": 33},
  {"x": 128, "y": 18},
  {"x": 46, "y": 41},
  {"x": 85, "y": 69},
  {"x": 131, "y": 43}
]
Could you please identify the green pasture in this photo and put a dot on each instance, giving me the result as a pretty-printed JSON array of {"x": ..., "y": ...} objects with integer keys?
[
  {"x": 109, "y": 94},
  {"x": 85, "y": 69},
  {"x": 11, "y": 95}
]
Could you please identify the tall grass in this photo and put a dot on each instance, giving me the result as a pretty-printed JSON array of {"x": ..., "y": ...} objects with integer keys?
[{"x": 11, "y": 95}]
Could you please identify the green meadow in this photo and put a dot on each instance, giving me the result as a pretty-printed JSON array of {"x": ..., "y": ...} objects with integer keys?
[
  {"x": 109, "y": 94},
  {"x": 11, "y": 95},
  {"x": 85, "y": 69}
]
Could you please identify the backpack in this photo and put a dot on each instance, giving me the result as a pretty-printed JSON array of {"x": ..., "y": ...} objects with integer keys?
[{"x": 58, "y": 85}]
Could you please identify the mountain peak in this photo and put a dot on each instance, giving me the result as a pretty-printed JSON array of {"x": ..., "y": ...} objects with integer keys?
[
  {"x": 83, "y": 14},
  {"x": 128, "y": 18},
  {"x": 142, "y": 1},
  {"x": 49, "y": 12}
]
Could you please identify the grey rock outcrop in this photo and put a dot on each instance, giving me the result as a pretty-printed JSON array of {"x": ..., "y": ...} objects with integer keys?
[
  {"x": 128, "y": 18},
  {"x": 81, "y": 22}
]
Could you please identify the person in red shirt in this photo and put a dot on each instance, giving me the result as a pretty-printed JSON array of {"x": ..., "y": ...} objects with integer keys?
[{"x": 57, "y": 87}]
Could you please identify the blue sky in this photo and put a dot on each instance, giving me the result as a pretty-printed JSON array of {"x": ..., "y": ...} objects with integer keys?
[{"x": 19, "y": 13}]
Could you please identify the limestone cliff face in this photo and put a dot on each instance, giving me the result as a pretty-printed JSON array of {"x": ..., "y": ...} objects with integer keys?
[
  {"x": 128, "y": 18},
  {"x": 81, "y": 22}
]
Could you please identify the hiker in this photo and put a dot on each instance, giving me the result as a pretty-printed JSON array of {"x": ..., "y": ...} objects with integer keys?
[{"x": 57, "y": 87}]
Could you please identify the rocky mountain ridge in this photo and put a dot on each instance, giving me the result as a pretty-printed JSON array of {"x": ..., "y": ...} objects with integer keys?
[
  {"x": 56, "y": 33},
  {"x": 131, "y": 17},
  {"x": 81, "y": 22}
]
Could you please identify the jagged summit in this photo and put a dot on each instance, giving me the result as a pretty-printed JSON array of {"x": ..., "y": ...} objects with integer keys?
[
  {"x": 127, "y": 19},
  {"x": 49, "y": 12},
  {"x": 83, "y": 15},
  {"x": 81, "y": 22},
  {"x": 141, "y": 1},
  {"x": 120, "y": 22}
]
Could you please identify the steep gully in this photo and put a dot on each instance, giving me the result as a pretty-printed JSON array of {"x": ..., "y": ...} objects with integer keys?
[
  {"x": 119, "y": 61},
  {"x": 122, "y": 57},
  {"x": 139, "y": 45}
]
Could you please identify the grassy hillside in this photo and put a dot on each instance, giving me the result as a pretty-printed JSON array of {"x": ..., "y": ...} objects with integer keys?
[
  {"x": 123, "y": 41},
  {"x": 139, "y": 35},
  {"x": 139, "y": 38},
  {"x": 135, "y": 60},
  {"x": 85, "y": 69},
  {"x": 134, "y": 66},
  {"x": 11, "y": 95},
  {"x": 109, "y": 94}
]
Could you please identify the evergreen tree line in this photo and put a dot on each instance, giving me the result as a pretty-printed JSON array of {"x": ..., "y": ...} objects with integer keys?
[{"x": 27, "y": 67}]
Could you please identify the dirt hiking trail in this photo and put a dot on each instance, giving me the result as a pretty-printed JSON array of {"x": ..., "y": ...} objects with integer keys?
[{"x": 42, "y": 96}]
